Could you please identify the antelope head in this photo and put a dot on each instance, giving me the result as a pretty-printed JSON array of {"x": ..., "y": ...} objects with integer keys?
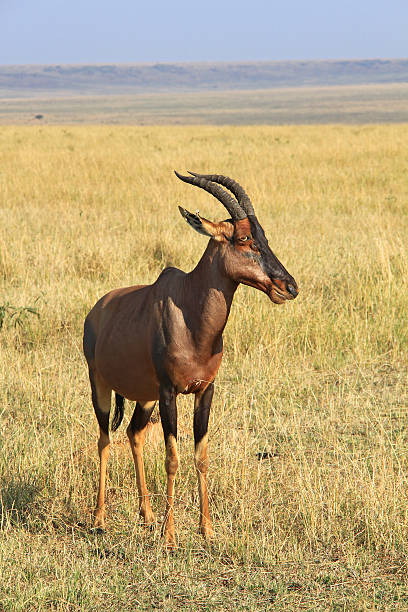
[{"x": 246, "y": 255}]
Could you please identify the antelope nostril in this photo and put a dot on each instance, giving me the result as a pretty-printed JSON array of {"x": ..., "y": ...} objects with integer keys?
[{"x": 292, "y": 290}]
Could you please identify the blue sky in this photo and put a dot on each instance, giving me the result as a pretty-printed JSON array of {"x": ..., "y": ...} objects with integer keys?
[{"x": 82, "y": 31}]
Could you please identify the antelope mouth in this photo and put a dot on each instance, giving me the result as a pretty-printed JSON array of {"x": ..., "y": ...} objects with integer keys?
[{"x": 279, "y": 297}]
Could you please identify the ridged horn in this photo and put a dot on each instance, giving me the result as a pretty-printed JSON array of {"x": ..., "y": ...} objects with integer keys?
[
  {"x": 233, "y": 186},
  {"x": 237, "y": 213}
]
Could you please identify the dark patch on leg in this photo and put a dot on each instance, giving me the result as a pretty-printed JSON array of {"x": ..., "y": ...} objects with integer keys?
[
  {"x": 168, "y": 411},
  {"x": 140, "y": 418},
  {"x": 202, "y": 413},
  {"x": 102, "y": 417},
  {"x": 89, "y": 340}
]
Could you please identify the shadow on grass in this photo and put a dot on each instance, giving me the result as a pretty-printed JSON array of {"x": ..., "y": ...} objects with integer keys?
[
  {"x": 22, "y": 507},
  {"x": 17, "y": 502},
  {"x": 26, "y": 504},
  {"x": 104, "y": 548}
]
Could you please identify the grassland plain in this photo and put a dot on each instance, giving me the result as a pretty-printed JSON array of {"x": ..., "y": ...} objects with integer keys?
[
  {"x": 319, "y": 385},
  {"x": 349, "y": 104}
]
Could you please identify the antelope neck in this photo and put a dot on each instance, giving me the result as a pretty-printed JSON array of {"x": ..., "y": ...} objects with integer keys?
[{"x": 209, "y": 293}]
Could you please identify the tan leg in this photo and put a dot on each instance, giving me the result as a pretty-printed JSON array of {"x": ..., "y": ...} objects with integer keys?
[
  {"x": 201, "y": 463},
  {"x": 202, "y": 405},
  {"x": 103, "y": 450},
  {"x": 136, "y": 434},
  {"x": 101, "y": 398},
  {"x": 171, "y": 469}
]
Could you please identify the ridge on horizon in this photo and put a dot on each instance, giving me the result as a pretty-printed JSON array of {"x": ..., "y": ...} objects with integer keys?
[{"x": 208, "y": 62}]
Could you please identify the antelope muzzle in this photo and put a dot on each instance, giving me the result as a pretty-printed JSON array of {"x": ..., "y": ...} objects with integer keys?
[{"x": 283, "y": 290}]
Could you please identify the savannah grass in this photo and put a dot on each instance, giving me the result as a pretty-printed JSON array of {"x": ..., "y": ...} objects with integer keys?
[{"x": 308, "y": 431}]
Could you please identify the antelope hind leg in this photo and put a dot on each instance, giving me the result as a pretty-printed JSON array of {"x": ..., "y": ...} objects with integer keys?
[
  {"x": 101, "y": 399},
  {"x": 136, "y": 434}
]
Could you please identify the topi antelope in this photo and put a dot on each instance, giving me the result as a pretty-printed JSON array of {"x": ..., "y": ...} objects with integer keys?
[{"x": 152, "y": 342}]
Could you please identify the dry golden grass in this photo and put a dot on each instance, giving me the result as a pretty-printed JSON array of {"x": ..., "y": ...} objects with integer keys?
[{"x": 320, "y": 384}]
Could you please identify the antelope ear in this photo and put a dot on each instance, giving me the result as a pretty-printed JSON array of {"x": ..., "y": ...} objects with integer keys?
[{"x": 201, "y": 225}]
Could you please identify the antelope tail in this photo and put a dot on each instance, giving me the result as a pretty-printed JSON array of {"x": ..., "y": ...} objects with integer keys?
[{"x": 119, "y": 410}]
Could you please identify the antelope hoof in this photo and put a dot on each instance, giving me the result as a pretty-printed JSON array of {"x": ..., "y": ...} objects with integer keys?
[
  {"x": 207, "y": 532},
  {"x": 99, "y": 522},
  {"x": 148, "y": 518},
  {"x": 169, "y": 537},
  {"x": 170, "y": 543}
]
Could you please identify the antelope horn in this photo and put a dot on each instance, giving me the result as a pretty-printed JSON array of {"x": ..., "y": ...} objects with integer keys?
[
  {"x": 237, "y": 190},
  {"x": 237, "y": 213}
]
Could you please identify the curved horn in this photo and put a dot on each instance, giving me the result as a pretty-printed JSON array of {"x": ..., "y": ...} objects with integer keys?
[
  {"x": 237, "y": 213},
  {"x": 229, "y": 183}
]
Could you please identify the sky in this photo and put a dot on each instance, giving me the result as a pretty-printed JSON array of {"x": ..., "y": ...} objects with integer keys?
[{"x": 90, "y": 31}]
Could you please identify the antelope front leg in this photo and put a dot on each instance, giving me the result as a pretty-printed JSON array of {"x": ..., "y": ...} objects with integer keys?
[
  {"x": 202, "y": 405},
  {"x": 168, "y": 415}
]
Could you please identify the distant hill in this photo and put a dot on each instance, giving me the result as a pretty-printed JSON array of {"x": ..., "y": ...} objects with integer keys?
[{"x": 31, "y": 80}]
